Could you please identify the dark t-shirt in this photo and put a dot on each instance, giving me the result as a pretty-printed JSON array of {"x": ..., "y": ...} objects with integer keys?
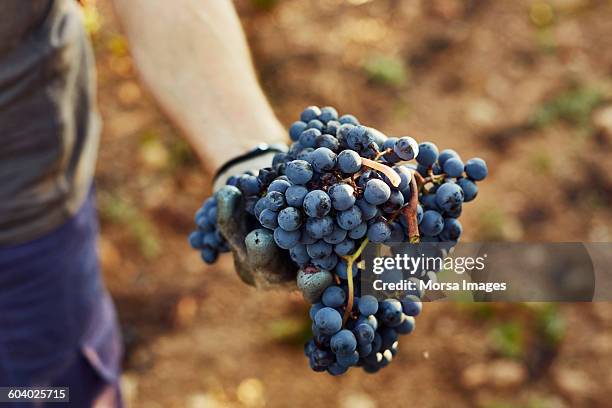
[{"x": 49, "y": 126}]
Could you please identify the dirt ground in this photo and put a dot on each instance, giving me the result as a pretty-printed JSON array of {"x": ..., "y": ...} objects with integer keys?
[{"x": 526, "y": 84}]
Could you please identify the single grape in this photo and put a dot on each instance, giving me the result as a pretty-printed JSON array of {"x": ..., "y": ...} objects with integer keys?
[
  {"x": 376, "y": 192},
  {"x": 323, "y": 159},
  {"x": 428, "y": 154},
  {"x": 331, "y": 127},
  {"x": 470, "y": 190},
  {"x": 316, "y": 124},
  {"x": 368, "y": 305},
  {"x": 350, "y": 218},
  {"x": 290, "y": 219},
  {"x": 275, "y": 201},
  {"x": 319, "y": 249},
  {"x": 286, "y": 239},
  {"x": 406, "y": 148},
  {"x": 449, "y": 195},
  {"x": 476, "y": 169},
  {"x": 336, "y": 369},
  {"x": 447, "y": 154},
  {"x": 299, "y": 171},
  {"x": 308, "y": 138},
  {"x": 364, "y": 333},
  {"x": 337, "y": 236},
  {"x": 452, "y": 230},
  {"x": 348, "y": 119},
  {"x": 432, "y": 223},
  {"x": 394, "y": 203},
  {"x": 328, "y": 141},
  {"x": 390, "y": 312},
  {"x": 310, "y": 113},
  {"x": 299, "y": 255},
  {"x": 279, "y": 185},
  {"x": 359, "y": 231},
  {"x": 453, "y": 167},
  {"x": 209, "y": 255},
  {"x": 406, "y": 326},
  {"x": 333, "y": 296},
  {"x": 328, "y": 321},
  {"x": 379, "y": 232},
  {"x": 411, "y": 305},
  {"x": 343, "y": 342},
  {"x": 328, "y": 113},
  {"x": 296, "y": 129},
  {"x": 249, "y": 185},
  {"x": 349, "y": 161},
  {"x": 341, "y": 270},
  {"x": 368, "y": 211},
  {"x": 268, "y": 219},
  {"x": 345, "y": 247},
  {"x": 317, "y": 203},
  {"x": 327, "y": 263},
  {"x": 342, "y": 196},
  {"x": 347, "y": 360}
]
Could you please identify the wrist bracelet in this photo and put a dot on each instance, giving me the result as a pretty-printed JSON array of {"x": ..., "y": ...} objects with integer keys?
[{"x": 257, "y": 151}]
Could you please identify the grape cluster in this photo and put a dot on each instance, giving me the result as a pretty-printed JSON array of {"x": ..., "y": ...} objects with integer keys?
[
  {"x": 207, "y": 238},
  {"x": 339, "y": 186}
]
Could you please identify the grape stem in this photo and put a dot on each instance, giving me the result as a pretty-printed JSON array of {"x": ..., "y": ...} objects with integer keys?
[
  {"x": 410, "y": 212},
  {"x": 350, "y": 260}
]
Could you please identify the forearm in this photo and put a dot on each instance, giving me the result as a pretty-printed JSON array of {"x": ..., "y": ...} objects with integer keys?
[{"x": 193, "y": 57}]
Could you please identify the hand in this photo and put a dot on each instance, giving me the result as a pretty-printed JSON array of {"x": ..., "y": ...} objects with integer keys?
[{"x": 257, "y": 258}]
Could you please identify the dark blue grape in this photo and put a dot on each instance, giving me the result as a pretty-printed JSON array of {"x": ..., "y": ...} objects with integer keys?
[
  {"x": 294, "y": 195},
  {"x": 368, "y": 211},
  {"x": 428, "y": 154},
  {"x": 290, "y": 219},
  {"x": 368, "y": 305},
  {"x": 299, "y": 255},
  {"x": 449, "y": 195},
  {"x": 476, "y": 169},
  {"x": 359, "y": 231},
  {"x": 249, "y": 185},
  {"x": 394, "y": 203},
  {"x": 322, "y": 159},
  {"x": 286, "y": 239},
  {"x": 334, "y": 297},
  {"x": 331, "y": 127},
  {"x": 308, "y": 138},
  {"x": 406, "y": 326},
  {"x": 452, "y": 230},
  {"x": 275, "y": 201},
  {"x": 345, "y": 247},
  {"x": 390, "y": 312},
  {"x": 343, "y": 342},
  {"x": 296, "y": 129},
  {"x": 327, "y": 263},
  {"x": 342, "y": 196},
  {"x": 209, "y": 255},
  {"x": 349, "y": 161},
  {"x": 268, "y": 219},
  {"x": 453, "y": 167},
  {"x": 406, "y": 148},
  {"x": 337, "y": 236},
  {"x": 379, "y": 232},
  {"x": 376, "y": 192},
  {"x": 279, "y": 185},
  {"x": 299, "y": 171},
  {"x": 470, "y": 190},
  {"x": 349, "y": 219},
  {"x": 341, "y": 270},
  {"x": 310, "y": 113},
  {"x": 328, "y": 141},
  {"x": 319, "y": 249},
  {"x": 317, "y": 203},
  {"x": 348, "y": 119},
  {"x": 328, "y": 321},
  {"x": 364, "y": 333},
  {"x": 447, "y": 154},
  {"x": 432, "y": 223},
  {"x": 347, "y": 360}
]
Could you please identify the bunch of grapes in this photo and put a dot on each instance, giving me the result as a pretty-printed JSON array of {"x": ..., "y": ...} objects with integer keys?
[{"x": 341, "y": 186}]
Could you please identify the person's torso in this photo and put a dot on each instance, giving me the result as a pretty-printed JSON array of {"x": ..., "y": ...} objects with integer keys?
[{"x": 49, "y": 126}]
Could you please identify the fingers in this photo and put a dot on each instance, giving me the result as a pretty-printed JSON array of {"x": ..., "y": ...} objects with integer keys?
[
  {"x": 270, "y": 265},
  {"x": 231, "y": 217}
]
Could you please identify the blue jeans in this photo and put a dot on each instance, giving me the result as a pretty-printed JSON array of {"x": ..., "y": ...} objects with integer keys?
[{"x": 58, "y": 325}]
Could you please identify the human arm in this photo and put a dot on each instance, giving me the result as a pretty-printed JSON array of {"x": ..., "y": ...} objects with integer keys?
[{"x": 193, "y": 57}]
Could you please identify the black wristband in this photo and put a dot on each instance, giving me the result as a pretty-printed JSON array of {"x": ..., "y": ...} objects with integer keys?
[{"x": 259, "y": 150}]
